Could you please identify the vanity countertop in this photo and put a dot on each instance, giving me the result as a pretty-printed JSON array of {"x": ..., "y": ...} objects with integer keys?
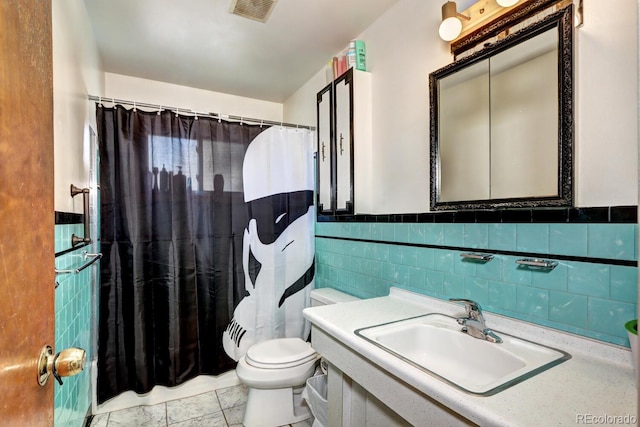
[{"x": 596, "y": 385}]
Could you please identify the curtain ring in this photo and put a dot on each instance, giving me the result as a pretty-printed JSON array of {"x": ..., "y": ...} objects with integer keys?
[
  {"x": 160, "y": 110},
  {"x": 261, "y": 123},
  {"x": 135, "y": 110},
  {"x": 177, "y": 109},
  {"x": 100, "y": 101}
]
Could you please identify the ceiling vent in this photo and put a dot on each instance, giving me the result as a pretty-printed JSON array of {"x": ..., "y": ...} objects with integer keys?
[{"x": 257, "y": 10}]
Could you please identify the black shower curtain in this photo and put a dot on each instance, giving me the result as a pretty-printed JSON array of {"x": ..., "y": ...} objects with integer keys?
[{"x": 172, "y": 220}]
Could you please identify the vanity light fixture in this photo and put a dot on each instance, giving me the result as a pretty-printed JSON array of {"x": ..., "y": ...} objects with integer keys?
[
  {"x": 507, "y": 3},
  {"x": 451, "y": 25},
  {"x": 479, "y": 14}
]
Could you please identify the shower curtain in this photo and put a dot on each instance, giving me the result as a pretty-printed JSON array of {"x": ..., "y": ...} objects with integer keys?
[{"x": 207, "y": 242}]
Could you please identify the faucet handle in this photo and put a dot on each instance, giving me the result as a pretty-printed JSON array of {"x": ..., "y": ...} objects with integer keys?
[{"x": 474, "y": 311}]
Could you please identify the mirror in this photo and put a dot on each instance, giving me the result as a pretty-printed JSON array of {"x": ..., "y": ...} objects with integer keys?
[{"x": 502, "y": 122}]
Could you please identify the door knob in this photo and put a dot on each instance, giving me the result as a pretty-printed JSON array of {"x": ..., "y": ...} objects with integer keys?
[{"x": 66, "y": 363}]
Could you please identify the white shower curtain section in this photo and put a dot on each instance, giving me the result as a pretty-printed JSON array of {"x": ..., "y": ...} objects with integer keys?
[
  {"x": 279, "y": 160},
  {"x": 278, "y": 242}
]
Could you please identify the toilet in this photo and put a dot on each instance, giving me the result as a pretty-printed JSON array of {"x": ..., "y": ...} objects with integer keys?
[{"x": 276, "y": 371}]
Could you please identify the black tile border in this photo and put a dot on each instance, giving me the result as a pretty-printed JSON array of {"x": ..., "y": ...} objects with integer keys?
[
  {"x": 68, "y": 218},
  {"x": 609, "y": 261},
  {"x": 604, "y": 215}
]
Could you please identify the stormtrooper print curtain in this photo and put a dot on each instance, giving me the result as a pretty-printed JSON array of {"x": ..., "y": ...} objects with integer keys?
[
  {"x": 207, "y": 242},
  {"x": 278, "y": 246}
]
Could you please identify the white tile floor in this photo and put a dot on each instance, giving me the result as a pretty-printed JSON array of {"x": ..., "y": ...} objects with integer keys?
[{"x": 219, "y": 408}]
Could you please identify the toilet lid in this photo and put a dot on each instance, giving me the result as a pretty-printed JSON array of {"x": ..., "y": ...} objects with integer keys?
[{"x": 280, "y": 353}]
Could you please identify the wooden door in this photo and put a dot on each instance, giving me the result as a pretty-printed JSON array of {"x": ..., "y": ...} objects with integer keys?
[{"x": 26, "y": 210}]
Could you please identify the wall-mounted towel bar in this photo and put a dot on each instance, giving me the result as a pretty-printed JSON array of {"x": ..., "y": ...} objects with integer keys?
[
  {"x": 93, "y": 258},
  {"x": 537, "y": 263},
  {"x": 477, "y": 257},
  {"x": 76, "y": 240}
]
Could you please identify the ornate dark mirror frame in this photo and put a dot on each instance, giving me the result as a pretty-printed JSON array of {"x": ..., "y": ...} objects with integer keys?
[{"x": 563, "y": 21}]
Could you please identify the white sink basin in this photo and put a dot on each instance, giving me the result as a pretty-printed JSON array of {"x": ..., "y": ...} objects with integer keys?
[{"x": 434, "y": 343}]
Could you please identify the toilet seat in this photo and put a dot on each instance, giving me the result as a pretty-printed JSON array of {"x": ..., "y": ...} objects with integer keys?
[
  {"x": 280, "y": 353},
  {"x": 276, "y": 364}
]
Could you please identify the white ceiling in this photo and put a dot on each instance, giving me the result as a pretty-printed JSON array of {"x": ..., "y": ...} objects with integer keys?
[{"x": 198, "y": 43}]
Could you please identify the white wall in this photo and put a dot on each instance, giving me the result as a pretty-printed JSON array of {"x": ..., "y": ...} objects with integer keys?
[
  {"x": 403, "y": 48},
  {"x": 300, "y": 108},
  {"x": 607, "y": 104},
  {"x": 153, "y": 92},
  {"x": 76, "y": 72}
]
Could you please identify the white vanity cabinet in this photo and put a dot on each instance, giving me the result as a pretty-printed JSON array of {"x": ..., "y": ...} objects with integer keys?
[
  {"x": 344, "y": 145},
  {"x": 360, "y": 394}
]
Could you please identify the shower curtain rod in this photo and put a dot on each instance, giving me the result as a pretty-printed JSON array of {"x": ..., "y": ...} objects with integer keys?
[{"x": 218, "y": 116}]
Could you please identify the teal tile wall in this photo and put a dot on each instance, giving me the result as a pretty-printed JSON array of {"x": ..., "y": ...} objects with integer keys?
[
  {"x": 586, "y": 298},
  {"x": 73, "y": 326}
]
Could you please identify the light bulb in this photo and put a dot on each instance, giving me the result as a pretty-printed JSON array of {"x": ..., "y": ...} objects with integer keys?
[
  {"x": 450, "y": 28},
  {"x": 507, "y": 3}
]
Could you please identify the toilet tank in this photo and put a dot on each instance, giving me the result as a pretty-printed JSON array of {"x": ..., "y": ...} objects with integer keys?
[{"x": 326, "y": 296}]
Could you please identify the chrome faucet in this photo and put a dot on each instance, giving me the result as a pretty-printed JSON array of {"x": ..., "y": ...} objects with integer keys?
[{"x": 473, "y": 323}]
